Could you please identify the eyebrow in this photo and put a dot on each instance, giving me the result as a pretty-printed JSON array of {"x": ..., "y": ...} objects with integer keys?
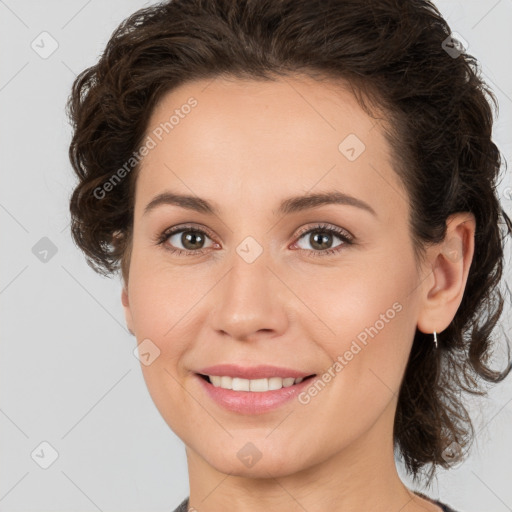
[{"x": 290, "y": 205}]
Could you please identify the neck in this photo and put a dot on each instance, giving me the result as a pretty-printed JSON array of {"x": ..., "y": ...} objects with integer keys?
[{"x": 360, "y": 476}]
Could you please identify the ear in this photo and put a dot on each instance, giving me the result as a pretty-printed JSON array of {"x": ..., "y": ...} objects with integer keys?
[
  {"x": 443, "y": 289},
  {"x": 127, "y": 311}
]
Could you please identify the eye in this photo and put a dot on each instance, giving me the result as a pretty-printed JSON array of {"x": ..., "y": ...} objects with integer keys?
[
  {"x": 190, "y": 237},
  {"x": 320, "y": 238}
]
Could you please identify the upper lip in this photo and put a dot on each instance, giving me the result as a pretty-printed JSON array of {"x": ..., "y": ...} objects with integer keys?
[{"x": 253, "y": 372}]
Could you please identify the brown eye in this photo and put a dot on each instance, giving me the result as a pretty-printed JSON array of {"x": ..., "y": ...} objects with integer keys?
[
  {"x": 184, "y": 240},
  {"x": 321, "y": 239},
  {"x": 190, "y": 240}
]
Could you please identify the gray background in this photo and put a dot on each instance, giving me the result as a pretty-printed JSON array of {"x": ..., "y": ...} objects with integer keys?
[{"x": 68, "y": 374}]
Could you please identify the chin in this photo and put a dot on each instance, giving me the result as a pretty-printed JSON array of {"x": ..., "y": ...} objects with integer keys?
[{"x": 248, "y": 461}]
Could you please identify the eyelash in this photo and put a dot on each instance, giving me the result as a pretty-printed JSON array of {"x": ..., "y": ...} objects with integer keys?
[{"x": 346, "y": 238}]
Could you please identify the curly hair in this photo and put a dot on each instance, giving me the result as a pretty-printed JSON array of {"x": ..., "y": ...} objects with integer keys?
[{"x": 393, "y": 56}]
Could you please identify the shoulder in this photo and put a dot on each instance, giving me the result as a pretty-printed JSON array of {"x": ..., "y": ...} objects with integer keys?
[
  {"x": 183, "y": 506},
  {"x": 445, "y": 507}
]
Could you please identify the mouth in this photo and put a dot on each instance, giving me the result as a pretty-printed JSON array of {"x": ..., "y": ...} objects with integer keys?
[{"x": 253, "y": 396}]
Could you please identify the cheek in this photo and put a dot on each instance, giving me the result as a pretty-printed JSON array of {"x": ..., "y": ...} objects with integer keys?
[
  {"x": 369, "y": 317},
  {"x": 372, "y": 316},
  {"x": 159, "y": 311},
  {"x": 162, "y": 297},
  {"x": 166, "y": 309}
]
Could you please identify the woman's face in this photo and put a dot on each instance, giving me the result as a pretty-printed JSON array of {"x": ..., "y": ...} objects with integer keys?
[{"x": 256, "y": 285}]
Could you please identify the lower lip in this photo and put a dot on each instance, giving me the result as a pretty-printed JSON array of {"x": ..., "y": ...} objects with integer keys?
[{"x": 252, "y": 402}]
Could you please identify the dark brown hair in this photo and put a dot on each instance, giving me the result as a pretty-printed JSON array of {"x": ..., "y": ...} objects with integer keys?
[{"x": 438, "y": 121}]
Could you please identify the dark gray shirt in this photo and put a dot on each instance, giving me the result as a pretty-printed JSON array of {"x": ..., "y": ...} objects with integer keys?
[{"x": 183, "y": 507}]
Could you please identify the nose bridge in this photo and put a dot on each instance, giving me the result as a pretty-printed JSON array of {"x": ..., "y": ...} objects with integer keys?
[
  {"x": 248, "y": 298},
  {"x": 249, "y": 275}
]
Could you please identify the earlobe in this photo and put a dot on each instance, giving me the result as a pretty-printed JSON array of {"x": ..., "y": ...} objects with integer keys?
[
  {"x": 127, "y": 310},
  {"x": 450, "y": 265}
]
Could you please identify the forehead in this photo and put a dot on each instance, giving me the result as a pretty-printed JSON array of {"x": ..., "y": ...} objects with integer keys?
[
  {"x": 244, "y": 112},
  {"x": 262, "y": 140}
]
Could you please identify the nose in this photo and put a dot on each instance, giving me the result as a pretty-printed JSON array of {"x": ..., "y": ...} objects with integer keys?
[{"x": 250, "y": 301}]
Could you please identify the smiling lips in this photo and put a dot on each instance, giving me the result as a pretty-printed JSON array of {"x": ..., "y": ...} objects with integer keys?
[{"x": 251, "y": 390}]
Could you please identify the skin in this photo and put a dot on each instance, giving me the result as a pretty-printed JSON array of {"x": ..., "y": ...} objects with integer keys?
[{"x": 247, "y": 146}]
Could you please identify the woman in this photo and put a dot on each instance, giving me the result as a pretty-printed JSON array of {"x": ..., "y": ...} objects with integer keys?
[{"x": 300, "y": 197}]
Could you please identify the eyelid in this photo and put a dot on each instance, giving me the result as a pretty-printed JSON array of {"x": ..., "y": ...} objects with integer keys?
[
  {"x": 328, "y": 227},
  {"x": 183, "y": 227}
]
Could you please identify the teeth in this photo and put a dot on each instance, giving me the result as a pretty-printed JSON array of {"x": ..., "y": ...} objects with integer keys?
[{"x": 258, "y": 385}]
